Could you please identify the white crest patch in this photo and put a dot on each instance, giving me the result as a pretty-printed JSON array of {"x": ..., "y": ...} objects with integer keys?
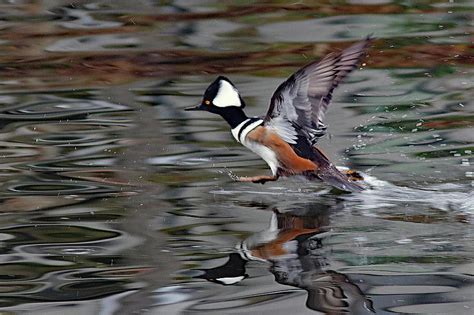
[{"x": 227, "y": 95}]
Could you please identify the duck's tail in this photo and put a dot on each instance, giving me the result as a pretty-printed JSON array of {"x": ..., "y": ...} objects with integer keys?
[
  {"x": 336, "y": 178},
  {"x": 329, "y": 174}
]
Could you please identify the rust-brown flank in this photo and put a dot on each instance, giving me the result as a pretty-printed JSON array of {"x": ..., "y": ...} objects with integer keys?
[
  {"x": 286, "y": 156},
  {"x": 276, "y": 247}
]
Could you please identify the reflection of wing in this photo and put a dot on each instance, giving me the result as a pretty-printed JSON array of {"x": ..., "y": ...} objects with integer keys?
[{"x": 302, "y": 100}]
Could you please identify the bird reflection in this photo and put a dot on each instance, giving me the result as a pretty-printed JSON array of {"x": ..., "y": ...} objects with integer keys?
[{"x": 293, "y": 245}]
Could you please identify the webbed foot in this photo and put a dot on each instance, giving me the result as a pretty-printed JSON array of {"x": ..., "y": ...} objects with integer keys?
[
  {"x": 354, "y": 175},
  {"x": 262, "y": 179}
]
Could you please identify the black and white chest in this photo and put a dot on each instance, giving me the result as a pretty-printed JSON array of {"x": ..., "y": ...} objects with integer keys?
[{"x": 240, "y": 133}]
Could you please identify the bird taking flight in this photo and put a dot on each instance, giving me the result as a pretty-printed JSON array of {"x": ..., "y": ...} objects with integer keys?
[{"x": 286, "y": 136}]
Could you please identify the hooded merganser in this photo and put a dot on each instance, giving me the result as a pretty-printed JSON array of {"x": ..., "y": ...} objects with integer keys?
[
  {"x": 285, "y": 138},
  {"x": 292, "y": 244}
]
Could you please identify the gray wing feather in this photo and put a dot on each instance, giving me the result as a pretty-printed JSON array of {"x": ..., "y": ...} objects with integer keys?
[
  {"x": 302, "y": 100},
  {"x": 285, "y": 130}
]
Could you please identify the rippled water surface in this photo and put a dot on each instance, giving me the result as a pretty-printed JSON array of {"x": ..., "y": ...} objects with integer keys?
[{"x": 113, "y": 200}]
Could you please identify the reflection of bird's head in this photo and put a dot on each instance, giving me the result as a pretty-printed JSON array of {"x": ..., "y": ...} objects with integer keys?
[{"x": 232, "y": 272}]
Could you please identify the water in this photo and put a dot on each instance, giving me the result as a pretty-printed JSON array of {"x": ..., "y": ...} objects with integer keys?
[{"x": 114, "y": 200}]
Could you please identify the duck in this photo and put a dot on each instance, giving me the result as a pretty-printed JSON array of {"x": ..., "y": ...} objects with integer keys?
[
  {"x": 286, "y": 136},
  {"x": 292, "y": 247}
]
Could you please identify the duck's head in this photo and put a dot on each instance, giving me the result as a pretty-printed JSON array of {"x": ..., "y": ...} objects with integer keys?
[{"x": 221, "y": 96}]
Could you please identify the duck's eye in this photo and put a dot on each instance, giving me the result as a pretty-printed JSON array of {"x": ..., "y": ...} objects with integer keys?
[{"x": 207, "y": 102}]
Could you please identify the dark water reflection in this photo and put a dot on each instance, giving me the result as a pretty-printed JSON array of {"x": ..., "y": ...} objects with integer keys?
[
  {"x": 292, "y": 245},
  {"x": 114, "y": 200}
]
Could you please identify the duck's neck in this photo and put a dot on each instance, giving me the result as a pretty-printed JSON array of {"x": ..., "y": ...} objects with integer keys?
[{"x": 234, "y": 116}]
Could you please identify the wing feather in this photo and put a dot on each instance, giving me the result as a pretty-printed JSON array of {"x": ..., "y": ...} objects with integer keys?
[{"x": 300, "y": 103}]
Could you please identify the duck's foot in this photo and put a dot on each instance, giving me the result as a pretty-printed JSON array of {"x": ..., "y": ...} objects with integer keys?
[
  {"x": 262, "y": 179},
  {"x": 354, "y": 175}
]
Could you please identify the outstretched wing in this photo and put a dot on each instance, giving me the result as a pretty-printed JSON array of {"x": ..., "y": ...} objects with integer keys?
[{"x": 300, "y": 103}]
